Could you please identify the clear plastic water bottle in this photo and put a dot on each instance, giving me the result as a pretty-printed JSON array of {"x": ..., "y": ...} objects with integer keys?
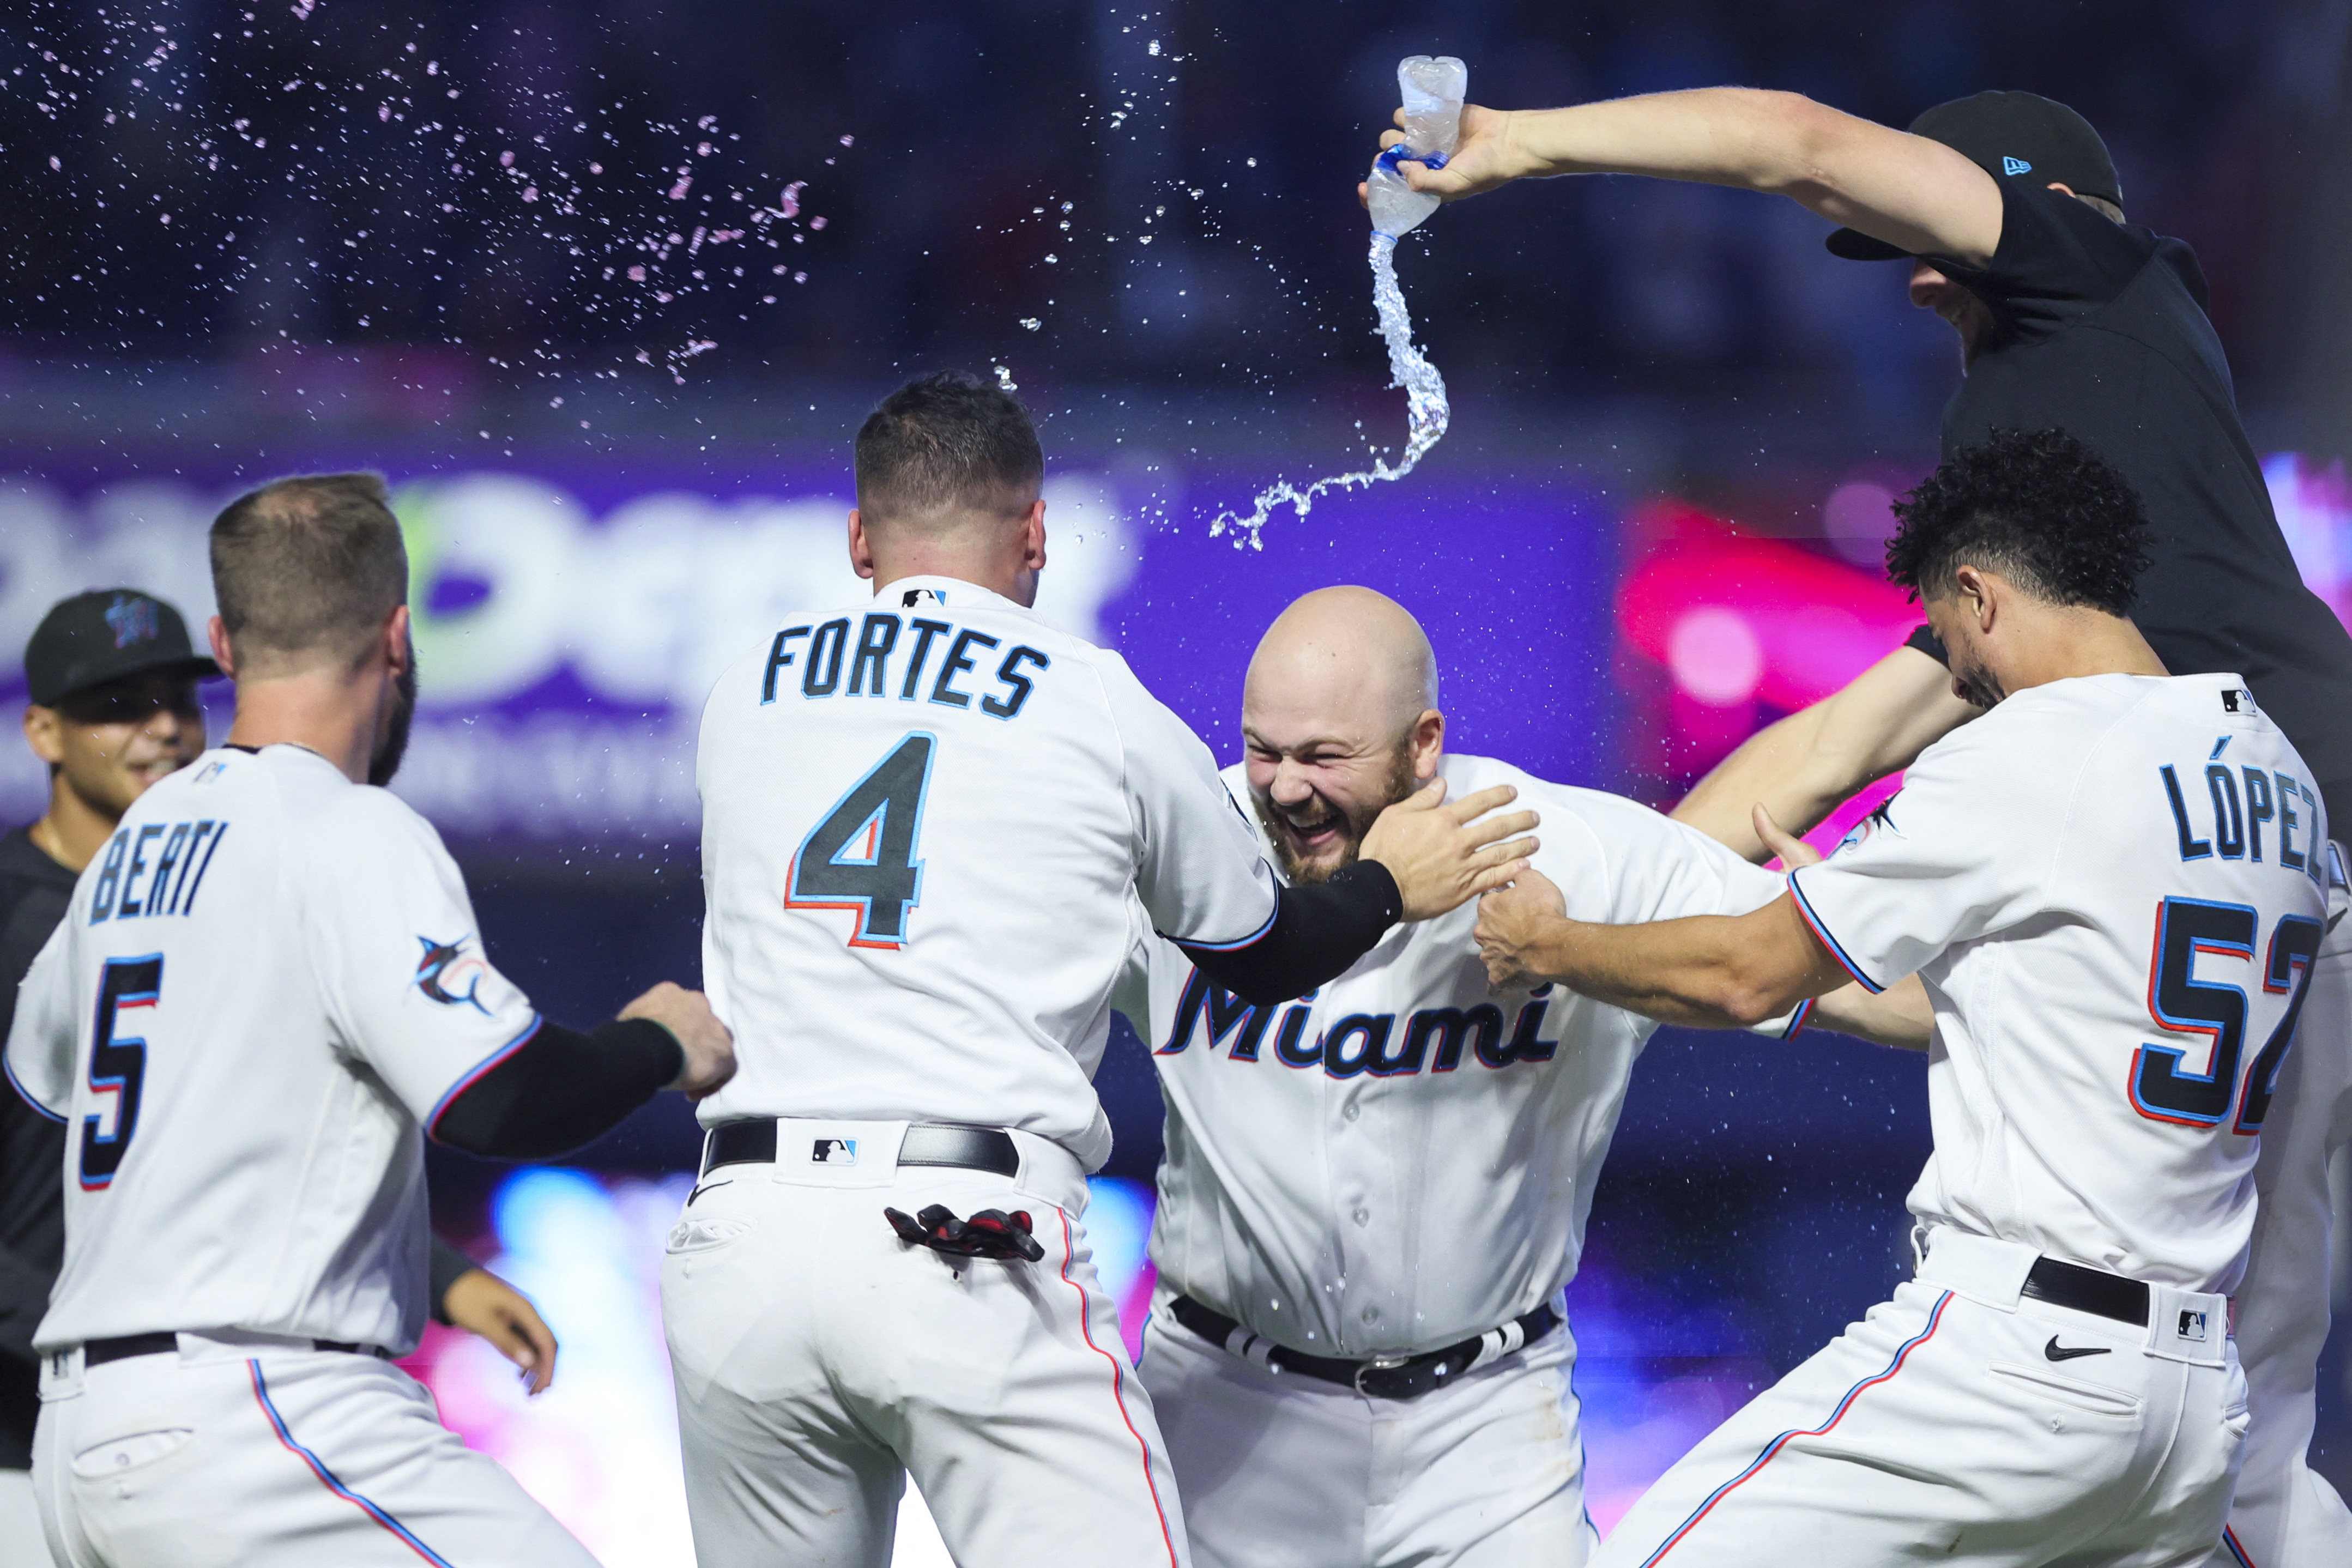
[{"x": 1432, "y": 91}]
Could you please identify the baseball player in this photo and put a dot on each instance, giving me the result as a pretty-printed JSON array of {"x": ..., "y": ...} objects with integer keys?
[
  {"x": 933, "y": 828},
  {"x": 2008, "y": 209},
  {"x": 113, "y": 683},
  {"x": 1372, "y": 1198},
  {"x": 2109, "y": 885},
  {"x": 266, "y": 985}
]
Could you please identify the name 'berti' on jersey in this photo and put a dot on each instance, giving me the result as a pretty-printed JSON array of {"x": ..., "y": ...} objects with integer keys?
[
  {"x": 893, "y": 932},
  {"x": 2160, "y": 842},
  {"x": 1406, "y": 1157},
  {"x": 265, "y": 983}
]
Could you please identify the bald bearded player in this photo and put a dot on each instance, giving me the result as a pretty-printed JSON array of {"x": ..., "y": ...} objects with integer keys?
[{"x": 1373, "y": 1197}]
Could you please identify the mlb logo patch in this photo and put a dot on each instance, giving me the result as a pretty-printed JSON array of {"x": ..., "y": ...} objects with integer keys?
[
  {"x": 834, "y": 1152},
  {"x": 2192, "y": 1325}
]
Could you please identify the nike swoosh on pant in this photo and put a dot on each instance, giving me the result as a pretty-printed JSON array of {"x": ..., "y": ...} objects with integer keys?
[{"x": 2057, "y": 1352}]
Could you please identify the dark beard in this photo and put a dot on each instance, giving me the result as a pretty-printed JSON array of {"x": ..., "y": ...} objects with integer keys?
[
  {"x": 1976, "y": 684},
  {"x": 385, "y": 760},
  {"x": 1398, "y": 784}
]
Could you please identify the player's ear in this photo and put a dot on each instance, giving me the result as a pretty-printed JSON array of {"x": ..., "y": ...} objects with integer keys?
[
  {"x": 216, "y": 633},
  {"x": 399, "y": 652},
  {"x": 1428, "y": 743},
  {"x": 45, "y": 733},
  {"x": 1032, "y": 536},
  {"x": 861, "y": 547}
]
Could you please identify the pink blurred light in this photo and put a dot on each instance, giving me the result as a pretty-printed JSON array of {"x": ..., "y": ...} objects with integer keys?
[{"x": 1817, "y": 624}]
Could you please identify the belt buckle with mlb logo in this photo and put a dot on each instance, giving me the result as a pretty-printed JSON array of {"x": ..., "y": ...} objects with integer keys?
[{"x": 834, "y": 1152}]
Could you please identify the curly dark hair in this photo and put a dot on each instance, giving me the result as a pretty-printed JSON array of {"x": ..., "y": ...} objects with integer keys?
[{"x": 2036, "y": 505}]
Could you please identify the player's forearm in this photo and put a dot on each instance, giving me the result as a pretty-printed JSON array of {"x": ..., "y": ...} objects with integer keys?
[
  {"x": 1759, "y": 141},
  {"x": 1899, "y": 1016},
  {"x": 559, "y": 1088},
  {"x": 1318, "y": 930},
  {"x": 1697, "y": 971},
  {"x": 1782, "y": 767}
]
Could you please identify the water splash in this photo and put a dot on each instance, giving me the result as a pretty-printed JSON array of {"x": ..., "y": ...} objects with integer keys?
[{"x": 1426, "y": 412}]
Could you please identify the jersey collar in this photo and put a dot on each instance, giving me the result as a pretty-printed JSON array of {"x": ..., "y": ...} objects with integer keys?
[{"x": 942, "y": 593}]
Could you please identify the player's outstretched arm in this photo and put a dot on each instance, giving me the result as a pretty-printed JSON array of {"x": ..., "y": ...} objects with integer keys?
[
  {"x": 1443, "y": 855},
  {"x": 560, "y": 1088},
  {"x": 1704, "y": 970},
  {"x": 1902, "y": 189},
  {"x": 1900, "y": 1015},
  {"x": 1801, "y": 769}
]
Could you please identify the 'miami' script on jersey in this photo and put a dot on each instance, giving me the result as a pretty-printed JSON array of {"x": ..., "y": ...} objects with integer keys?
[
  {"x": 2113, "y": 888},
  {"x": 927, "y": 823}
]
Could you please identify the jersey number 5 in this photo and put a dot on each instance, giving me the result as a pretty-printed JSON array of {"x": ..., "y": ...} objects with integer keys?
[
  {"x": 861, "y": 858},
  {"x": 2162, "y": 1088},
  {"x": 118, "y": 1063}
]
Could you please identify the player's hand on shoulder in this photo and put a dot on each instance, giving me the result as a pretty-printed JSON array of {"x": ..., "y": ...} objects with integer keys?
[
  {"x": 1488, "y": 154},
  {"x": 1512, "y": 921},
  {"x": 481, "y": 1304},
  {"x": 709, "y": 1048},
  {"x": 1444, "y": 854}
]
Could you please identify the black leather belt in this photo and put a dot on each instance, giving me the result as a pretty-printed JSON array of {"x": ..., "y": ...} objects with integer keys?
[
  {"x": 99, "y": 1352},
  {"x": 754, "y": 1142},
  {"x": 1384, "y": 1377},
  {"x": 2084, "y": 1290}
]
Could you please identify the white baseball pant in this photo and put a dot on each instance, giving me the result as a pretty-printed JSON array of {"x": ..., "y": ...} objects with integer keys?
[
  {"x": 242, "y": 1451},
  {"x": 1280, "y": 1469},
  {"x": 1963, "y": 1422},
  {"x": 819, "y": 1360},
  {"x": 2284, "y": 1515}
]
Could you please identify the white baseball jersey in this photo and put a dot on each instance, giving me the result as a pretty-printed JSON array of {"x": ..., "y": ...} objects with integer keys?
[
  {"x": 1406, "y": 1158},
  {"x": 264, "y": 983},
  {"x": 928, "y": 819},
  {"x": 2112, "y": 887}
]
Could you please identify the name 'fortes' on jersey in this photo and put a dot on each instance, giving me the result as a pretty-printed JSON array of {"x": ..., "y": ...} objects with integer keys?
[
  {"x": 821, "y": 660},
  {"x": 934, "y": 826}
]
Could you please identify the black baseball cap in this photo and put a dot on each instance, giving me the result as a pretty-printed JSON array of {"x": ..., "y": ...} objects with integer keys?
[
  {"x": 104, "y": 635},
  {"x": 2008, "y": 135}
]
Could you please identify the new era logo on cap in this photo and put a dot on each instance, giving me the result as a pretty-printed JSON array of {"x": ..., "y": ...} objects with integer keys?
[{"x": 2015, "y": 167}]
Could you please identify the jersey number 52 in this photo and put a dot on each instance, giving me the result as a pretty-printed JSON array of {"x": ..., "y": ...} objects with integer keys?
[
  {"x": 2162, "y": 1087},
  {"x": 861, "y": 857}
]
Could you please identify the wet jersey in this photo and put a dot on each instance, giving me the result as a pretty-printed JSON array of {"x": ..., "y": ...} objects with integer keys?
[
  {"x": 1406, "y": 1157},
  {"x": 933, "y": 828},
  {"x": 2113, "y": 888},
  {"x": 264, "y": 985}
]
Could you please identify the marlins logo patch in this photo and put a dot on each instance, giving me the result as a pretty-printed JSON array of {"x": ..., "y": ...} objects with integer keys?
[
  {"x": 132, "y": 618},
  {"x": 450, "y": 975}
]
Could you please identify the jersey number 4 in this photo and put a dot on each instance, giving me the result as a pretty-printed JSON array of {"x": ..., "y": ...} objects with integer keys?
[
  {"x": 118, "y": 1063},
  {"x": 2161, "y": 1086},
  {"x": 861, "y": 858}
]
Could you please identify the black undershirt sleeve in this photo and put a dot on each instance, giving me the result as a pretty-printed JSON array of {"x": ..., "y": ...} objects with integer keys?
[
  {"x": 442, "y": 1270},
  {"x": 1317, "y": 931},
  {"x": 1927, "y": 641},
  {"x": 561, "y": 1089}
]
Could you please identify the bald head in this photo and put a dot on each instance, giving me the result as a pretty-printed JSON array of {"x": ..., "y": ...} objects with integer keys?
[
  {"x": 1349, "y": 656},
  {"x": 1340, "y": 718}
]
